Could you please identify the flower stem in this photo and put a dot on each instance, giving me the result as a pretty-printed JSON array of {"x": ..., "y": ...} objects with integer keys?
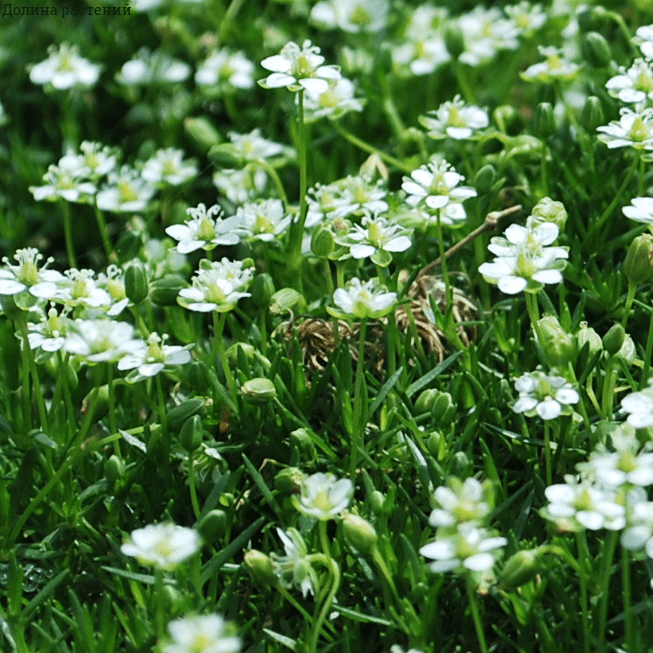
[
  {"x": 326, "y": 605},
  {"x": 218, "y": 348},
  {"x": 608, "y": 555},
  {"x": 471, "y": 594},
  {"x": 297, "y": 232},
  {"x": 547, "y": 453},
  {"x": 583, "y": 558},
  {"x": 359, "y": 419},
  {"x": 102, "y": 227},
  {"x": 29, "y": 357},
  {"x": 647, "y": 355},
  {"x": 68, "y": 233},
  {"x": 627, "y": 601},
  {"x": 191, "y": 485}
]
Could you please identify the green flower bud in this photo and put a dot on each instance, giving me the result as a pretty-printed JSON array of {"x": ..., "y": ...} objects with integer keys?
[
  {"x": 425, "y": 401},
  {"x": 260, "y": 568},
  {"x": 97, "y": 401},
  {"x": 287, "y": 300},
  {"x": 202, "y": 131},
  {"x": 519, "y": 569},
  {"x": 485, "y": 178},
  {"x": 592, "y": 115},
  {"x": 304, "y": 442},
  {"x": 558, "y": 346},
  {"x": 136, "y": 287},
  {"x": 322, "y": 242},
  {"x": 232, "y": 353},
  {"x": 547, "y": 210},
  {"x": 172, "y": 598},
  {"x": 10, "y": 308},
  {"x": 377, "y": 502},
  {"x": 638, "y": 265},
  {"x": 114, "y": 469},
  {"x": 213, "y": 525},
  {"x": 129, "y": 245},
  {"x": 191, "y": 433},
  {"x": 454, "y": 40},
  {"x": 588, "y": 334},
  {"x": 525, "y": 148},
  {"x": 461, "y": 465},
  {"x": 289, "y": 480},
  {"x": 591, "y": 18},
  {"x": 225, "y": 155},
  {"x": 433, "y": 444},
  {"x": 164, "y": 291},
  {"x": 262, "y": 289},
  {"x": 443, "y": 408},
  {"x": 545, "y": 122},
  {"x": 614, "y": 339},
  {"x": 506, "y": 119},
  {"x": 596, "y": 50},
  {"x": 627, "y": 351},
  {"x": 179, "y": 414},
  {"x": 359, "y": 533},
  {"x": 258, "y": 391}
]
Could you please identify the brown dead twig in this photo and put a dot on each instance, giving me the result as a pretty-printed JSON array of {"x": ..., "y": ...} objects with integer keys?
[{"x": 317, "y": 337}]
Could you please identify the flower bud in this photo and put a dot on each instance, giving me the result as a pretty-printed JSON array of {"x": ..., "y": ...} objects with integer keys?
[
  {"x": 506, "y": 118},
  {"x": 443, "y": 408},
  {"x": 454, "y": 40},
  {"x": 433, "y": 444},
  {"x": 588, "y": 334},
  {"x": 304, "y": 442},
  {"x": 545, "y": 122},
  {"x": 114, "y": 469},
  {"x": 164, "y": 291},
  {"x": 213, "y": 525},
  {"x": 638, "y": 266},
  {"x": 592, "y": 115},
  {"x": 627, "y": 352},
  {"x": 191, "y": 433},
  {"x": 322, "y": 242},
  {"x": 485, "y": 178},
  {"x": 97, "y": 401},
  {"x": 258, "y": 391},
  {"x": 10, "y": 308},
  {"x": 202, "y": 131},
  {"x": 547, "y": 210},
  {"x": 198, "y": 375},
  {"x": 461, "y": 465},
  {"x": 260, "y": 567},
  {"x": 596, "y": 50},
  {"x": 525, "y": 148},
  {"x": 373, "y": 165},
  {"x": 225, "y": 155},
  {"x": 136, "y": 287},
  {"x": 425, "y": 401},
  {"x": 172, "y": 598},
  {"x": 179, "y": 414},
  {"x": 289, "y": 480},
  {"x": 359, "y": 533},
  {"x": 232, "y": 353},
  {"x": 519, "y": 569},
  {"x": 558, "y": 346},
  {"x": 262, "y": 289},
  {"x": 614, "y": 339},
  {"x": 287, "y": 300},
  {"x": 377, "y": 502}
]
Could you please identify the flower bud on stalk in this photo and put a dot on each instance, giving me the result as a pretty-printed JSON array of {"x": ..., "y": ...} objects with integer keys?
[
  {"x": 596, "y": 50},
  {"x": 558, "y": 346},
  {"x": 638, "y": 265},
  {"x": 520, "y": 568},
  {"x": 592, "y": 115},
  {"x": 260, "y": 567},
  {"x": 545, "y": 123},
  {"x": 213, "y": 525},
  {"x": 614, "y": 339},
  {"x": 359, "y": 533},
  {"x": 191, "y": 433},
  {"x": 136, "y": 287},
  {"x": 258, "y": 391}
]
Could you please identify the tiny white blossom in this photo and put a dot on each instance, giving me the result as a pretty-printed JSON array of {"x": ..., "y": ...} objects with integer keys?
[
  {"x": 633, "y": 129},
  {"x": 644, "y": 39},
  {"x": 639, "y": 405},
  {"x": 298, "y": 68},
  {"x": 434, "y": 186},
  {"x": 633, "y": 85},
  {"x": 152, "y": 357},
  {"x": 80, "y": 288},
  {"x": 641, "y": 210},
  {"x": 50, "y": 334},
  {"x": 553, "y": 68},
  {"x": 64, "y": 69},
  {"x": 351, "y": 16},
  {"x": 204, "y": 230},
  {"x": 455, "y": 119},
  {"x": 167, "y": 167},
  {"x": 527, "y": 17},
  {"x": 152, "y": 68},
  {"x": 253, "y": 147},
  {"x": 624, "y": 467},
  {"x": 201, "y": 634},
  {"x": 294, "y": 569},
  {"x": 125, "y": 191},
  {"x": 162, "y": 545},
  {"x": 94, "y": 161},
  {"x": 486, "y": 32},
  {"x": 332, "y": 103},
  {"x": 362, "y": 300},
  {"x": 323, "y": 496},
  {"x": 638, "y": 533},
  {"x": 376, "y": 239},
  {"x": 544, "y": 395},
  {"x": 226, "y": 70},
  {"x": 241, "y": 186},
  {"x": 64, "y": 183},
  {"x": 263, "y": 220},
  {"x": 459, "y": 503},
  {"x": 40, "y": 282}
]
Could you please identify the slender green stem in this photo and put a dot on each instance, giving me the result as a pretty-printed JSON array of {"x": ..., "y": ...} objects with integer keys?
[
  {"x": 28, "y": 356},
  {"x": 632, "y": 289},
  {"x": 385, "y": 572},
  {"x": 159, "y": 603},
  {"x": 583, "y": 561},
  {"x": 191, "y": 485},
  {"x": 299, "y": 607},
  {"x": 274, "y": 175},
  {"x": 102, "y": 228},
  {"x": 324, "y": 539},
  {"x": 608, "y": 555},
  {"x": 647, "y": 355},
  {"x": 359, "y": 417},
  {"x": 219, "y": 349},
  {"x": 471, "y": 594},
  {"x": 547, "y": 453},
  {"x": 627, "y": 600},
  {"x": 443, "y": 262},
  {"x": 326, "y": 606},
  {"x": 163, "y": 416},
  {"x": 68, "y": 234},
  {"x": 609, "y": 381},
  {"x": 297, "y": 231}
]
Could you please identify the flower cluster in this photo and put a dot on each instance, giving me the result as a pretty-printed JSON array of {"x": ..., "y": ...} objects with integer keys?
[{"x": 544, "y": 395}]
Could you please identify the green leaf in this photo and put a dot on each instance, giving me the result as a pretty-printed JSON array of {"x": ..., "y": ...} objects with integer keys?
[
  {"x": 423, "y": 381},
  {"x": 282, "y": 639}
]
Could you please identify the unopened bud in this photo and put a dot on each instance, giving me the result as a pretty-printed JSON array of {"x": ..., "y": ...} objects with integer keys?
[
  {"x": 260, "y": 567},
  {"x": 425, "y": 401},
  {"x": 638, "y": 266},
  {"x": 592, "y": 115},
  {"x": 596, "y": 50},
  {"x": 202, "y": 131},
  {"x": 519, "y": 569},
  {"x": 302, "y": 438},
  {"x": 289, "y": 480},
  {"x": 461, "y": 465},
  {"x": 614, "y": 339},
  {"x": 191, "y": 433},
  {"x": 485, "y": 178},
  {"x": 359, "y": 533},
  {"x": 165, "y": 291},
  {"x": 114, "y": 469},
  {"x": 262, "y": 289},
  {"x": 213, "y": 525},
  {"x": 136, "y": 286},
  {"x": 322, "y": 242},
  {"x": 589, "y": 335},
  {"x": 246, "y": 349},
  {"x": 454, "y": 40},
  {"x": 287, "y": 300},
  {"x": 558, "y": 346},
  {"x": 545, "y": 122},
  {"x": 258, "y": 391},
  {"x": 548, "y": 210}
]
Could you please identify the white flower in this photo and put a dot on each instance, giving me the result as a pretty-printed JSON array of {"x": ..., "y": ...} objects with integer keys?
[
  {"x": 216, "y": 287},
  {"x": 101, "y": 340},
  {"x": 485, "y": 32},
  {"x": 226, "y": 70},
  {"x": 241, "y": 186},
  {"x": 547, "y": 396},
  {"x": 523, "y": 262},
  {"x": 455, "y": 119},
  {"x": 641, "y": 210},
  {"x": 26, "y": 275},
  {"x": 50, "y": 334},
  {"x": 298, "y": 68},
  {"x": 575, "y": 506},
  {"x": 162, "y": 545},
  {"x": 468, "y": 548},
  {"x": 126, "y": 191},
  {"x": 253, "y": 147},
  {"x": 640, "y": 407},
  {"x": 357, "y": 194},
  {"x": 152, "y": 357},
  {"x": 167, "y": 167},
  {"x": 294, "y": 568},
  {"x": 79, "y": 288},
  {"x": 323, "y": 496},
  {"x": 333, "y": 103},
  {"x": 94, "y": 161},
  {"x": 70, "y": 185},
  {"x": 376, "y": 238},
  {"x": 113, "y": 281},
  {"x": 633, "y": 129},
  {"x": 362, "y": 300},
  {"x": 527, "y": 17},
  {"x": 203, "y": 231},
  {"x": 638, "y": 533},
  {"x": 263, "y": 220},
  {"x": 459, "y": 503},
  {"x": 152, "y": 68},
  {"x": 633, "y": 85},
  {"x": 644, "y": 39},
  {"x": 435, "y": 185},
  {"x": 64, "y": 69},
  {"x": 618, "y": 468},
  {"x": 351, "y": 15},
  {"x": 553, "y": 68},
  {"x": 201, "y": 634}
]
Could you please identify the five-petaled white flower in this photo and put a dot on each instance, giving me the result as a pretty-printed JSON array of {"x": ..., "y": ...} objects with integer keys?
[
  {"x": 204, "y": 230},
  {"x": 435, "y": 185},
  {"x": 101, "y": 340},
  {"x": 633, "y": 85},
  {"x": 376, "y": 238},
  {"x": 64, "y": 69},
  {"x": 263, "y": 220},
  {"x": 639, "y": 405},
  {"x": 641, "y": 210},
  {"x": 152, "y": 357},
  {"x": 362, "y": 300},
  {"x": 294, "y": 568},
  {"x": 455, "y": 119},
  {"x": 553, "y": 68},
  {"x": 298, "y": 68},
  {"x": 544, "y": 395},
  {"x": 459, "y": 503},
  {"x": 633, "y": 129},
  {"x": 226, "y": 71},
  {"x": 41, "y": 283},
  {"x": 168, "y": 167},
  {"x": 162, "y": 545},
  {"x": 323, "y": 496},
  {"x": 351, "y": 15},
  {"x": 125, "y": 191},
  {"x": 66, "y": 183},
  {"x": 201, "y": 634}
]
